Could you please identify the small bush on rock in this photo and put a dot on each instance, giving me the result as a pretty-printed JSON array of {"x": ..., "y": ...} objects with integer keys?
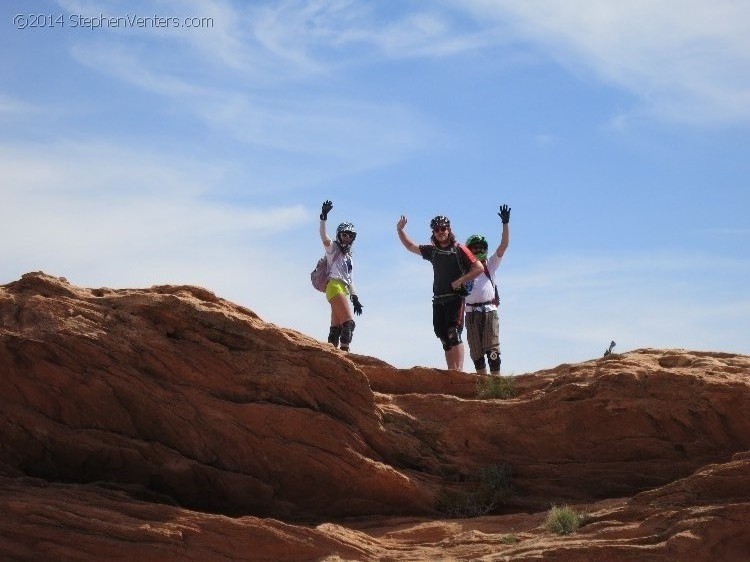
[
  {"x": 509, "y": 539},
  {"x": 492, "y": 486},
  {"x": 563, "y": 520},
  {"x": 494, "y": 386}
]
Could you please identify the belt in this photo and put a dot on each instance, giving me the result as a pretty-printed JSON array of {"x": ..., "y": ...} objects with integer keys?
[
  {"x": 446, "y": 296},
  {"x": 485, "y": 303}
]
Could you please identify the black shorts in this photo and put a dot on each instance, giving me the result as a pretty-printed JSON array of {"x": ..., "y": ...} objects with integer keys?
[{"x": 447, "y": 314}]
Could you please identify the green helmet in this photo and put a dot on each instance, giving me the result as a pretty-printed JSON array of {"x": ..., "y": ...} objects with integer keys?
[{"x": 476, "y": 240}]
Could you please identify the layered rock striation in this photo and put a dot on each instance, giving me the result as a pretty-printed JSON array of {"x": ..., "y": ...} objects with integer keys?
[{"x": 168, "y": 423}]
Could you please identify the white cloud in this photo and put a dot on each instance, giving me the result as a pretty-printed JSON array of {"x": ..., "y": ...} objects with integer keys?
[
  {"x": 84, "y": 206},
  {"x": 10, "y": 106},
  {"x": 344, "y": 31},
  {"x": 687, "y": 60},
  {"x": 347, "y": 135},
  {"x": 219, "y": 40},
  {"x": 544, "y": 139},
  {"x": 568, "y": 308},
  {"x": 128, "y": 64}
]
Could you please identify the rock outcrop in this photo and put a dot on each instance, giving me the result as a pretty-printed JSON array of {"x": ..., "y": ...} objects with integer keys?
[
  {"x": 167, "y": 423},
  {"x": 179, "y": 393}
]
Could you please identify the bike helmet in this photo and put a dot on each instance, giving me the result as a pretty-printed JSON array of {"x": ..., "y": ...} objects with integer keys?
[
  {"x": 477, "y": 240},
  {"x": 439, "y": 220},
  {"x": 345, "y": 227}
]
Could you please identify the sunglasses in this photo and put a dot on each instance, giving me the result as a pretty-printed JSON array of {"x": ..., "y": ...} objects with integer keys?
[
  {"x": 441, "y": 229},
  {"x": 347, "y": 234}
]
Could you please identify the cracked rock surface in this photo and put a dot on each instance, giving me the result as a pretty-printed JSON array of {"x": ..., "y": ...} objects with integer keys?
[{"x": 168, "y": 423}]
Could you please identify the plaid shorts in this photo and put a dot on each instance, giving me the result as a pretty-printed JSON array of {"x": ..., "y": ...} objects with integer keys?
[{"x": 482, "y": 332}]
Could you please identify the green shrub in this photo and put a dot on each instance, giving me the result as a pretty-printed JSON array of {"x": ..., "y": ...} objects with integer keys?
[
  {"x": 494, "y": 386},
  {"x": 463, "y": 504},
  {"x": 497, "y": 478},
  {"x": 491, "y": 486},
  {"x": 509, "y": 539},
  {"x": 563, "y": 520}
]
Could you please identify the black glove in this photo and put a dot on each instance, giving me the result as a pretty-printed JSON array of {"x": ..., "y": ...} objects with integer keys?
[
  {"x": 357, "y": 305},
  {"x": 504, "y": 214},
  {"x": 327, "y": 206}
]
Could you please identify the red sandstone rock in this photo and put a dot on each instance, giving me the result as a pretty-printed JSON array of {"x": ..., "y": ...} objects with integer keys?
[
  {"x": 702, "y": 518},
  {"x": 178, "y": 392},
  {"x": 138, "y": 412}
]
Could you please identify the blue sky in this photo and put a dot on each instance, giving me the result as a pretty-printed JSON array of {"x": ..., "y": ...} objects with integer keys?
[{"x": 134, "y": 154}]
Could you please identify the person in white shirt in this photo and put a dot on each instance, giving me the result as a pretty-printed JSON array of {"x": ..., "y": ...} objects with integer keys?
[{"x": 482, "y": 324}]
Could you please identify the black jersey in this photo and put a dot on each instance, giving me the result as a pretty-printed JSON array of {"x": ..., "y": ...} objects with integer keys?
[{"x": 448, "y": 264}]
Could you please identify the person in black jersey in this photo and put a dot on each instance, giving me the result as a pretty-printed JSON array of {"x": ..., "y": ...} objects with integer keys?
[{"x": 453, "y": 266}]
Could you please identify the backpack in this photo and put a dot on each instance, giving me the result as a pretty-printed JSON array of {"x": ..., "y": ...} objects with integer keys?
[
  {"x": 319, "y": 275},
  {"x": 496, "y": 300}
]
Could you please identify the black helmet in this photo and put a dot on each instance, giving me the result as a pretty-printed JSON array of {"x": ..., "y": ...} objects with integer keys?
[
  {"x": 440, "y": 220},
  {"x": 345, "y": 227}
]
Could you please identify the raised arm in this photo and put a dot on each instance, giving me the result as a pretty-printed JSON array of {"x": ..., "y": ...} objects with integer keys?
[
  {"x": 405, "y": 240},
  {"x": 505, "y": 238},
  {"x": 325, "y": 209}
]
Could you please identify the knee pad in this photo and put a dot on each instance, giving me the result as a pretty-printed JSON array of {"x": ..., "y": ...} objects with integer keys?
[
  {"x": 493, "y": 358},
  {"x": 347, "y": 331},
  {"x": 333, "y": 335},
  {"x": 452, "y": 339},
  {"x": 480, "y": 365}
]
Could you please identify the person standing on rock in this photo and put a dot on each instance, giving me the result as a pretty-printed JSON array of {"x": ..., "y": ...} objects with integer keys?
[
  {"x": 339, "y": 258},
  {"x": 482, "y": 325},
  {"x": 453, "y": 267}
]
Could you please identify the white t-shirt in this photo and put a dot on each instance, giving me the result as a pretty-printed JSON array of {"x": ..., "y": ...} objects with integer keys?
[
  {"x": 340, "y": 264},
  {"x": 484, "y": 290}
]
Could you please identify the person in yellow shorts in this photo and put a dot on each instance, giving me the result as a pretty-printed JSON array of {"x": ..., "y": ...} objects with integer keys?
[{"x": 340, "y": 285}]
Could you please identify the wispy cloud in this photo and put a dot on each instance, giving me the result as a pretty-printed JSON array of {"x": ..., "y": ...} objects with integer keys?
[
  {"x": 544, "y": 139},
  {"x": 221, "y": 41},
  {"x": 577, "y": 304},
  {"x": 687, "y": 61},
  {"x": 129, "y": 64},
  {"x": 357, "y": 135},
  {"x": 349, "y": 135},
  {"x": 77, "y": 204},
  {"x": 10, "y": 106},
  {"x": 300, "y": 31},
  {"x": 684, "y": 61},
  {"x": 583, "y": 272}
]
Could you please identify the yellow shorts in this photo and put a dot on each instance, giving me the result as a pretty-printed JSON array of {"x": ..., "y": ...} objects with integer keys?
[{"x": 334, "y": 288}]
